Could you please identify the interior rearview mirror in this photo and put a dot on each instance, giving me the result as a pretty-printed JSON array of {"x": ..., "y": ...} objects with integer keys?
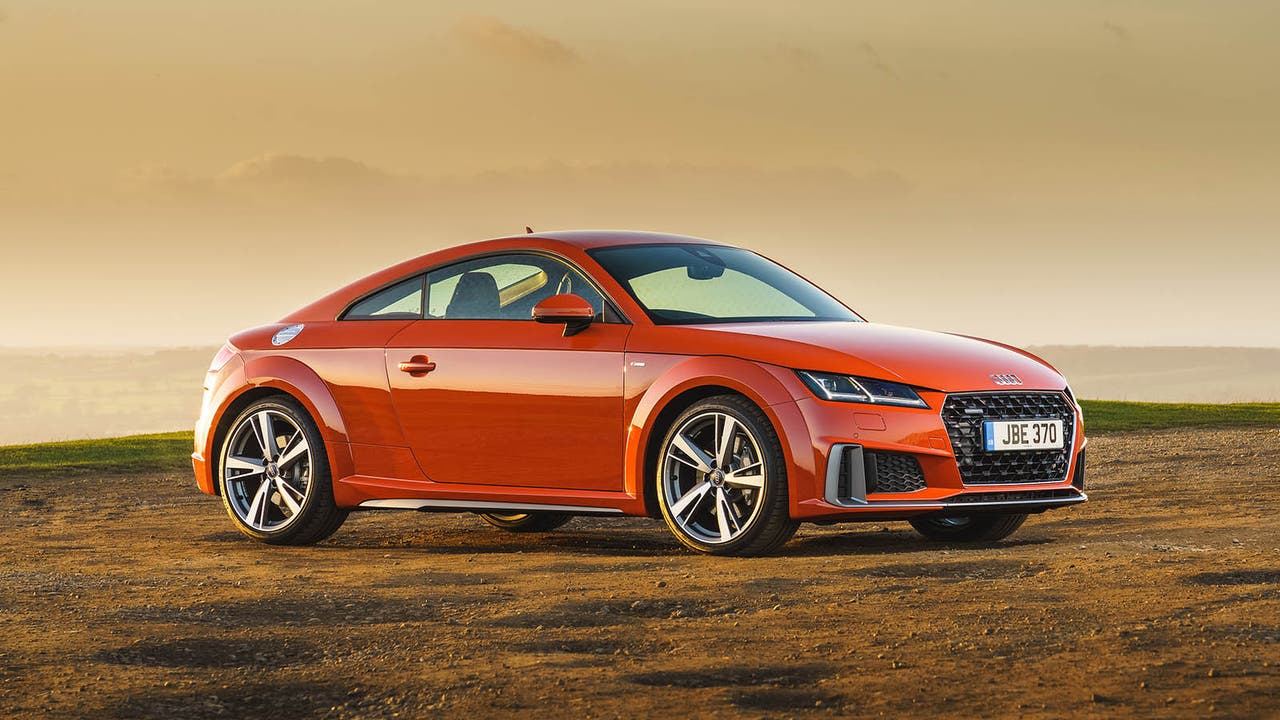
[{"x": 704, "y": 270}]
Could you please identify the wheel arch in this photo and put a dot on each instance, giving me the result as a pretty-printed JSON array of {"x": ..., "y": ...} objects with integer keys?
[
  {"x": 285, "y": 377},
  {"x": 662, "y": 423},
  {"x": 691, "y": 381}
]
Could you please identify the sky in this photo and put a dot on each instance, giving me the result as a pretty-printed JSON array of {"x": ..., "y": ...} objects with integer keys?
[{"x": 1085, "y": 172}]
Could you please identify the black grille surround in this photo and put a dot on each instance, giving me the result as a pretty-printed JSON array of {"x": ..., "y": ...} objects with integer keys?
[{"x": 963, "y": 415}]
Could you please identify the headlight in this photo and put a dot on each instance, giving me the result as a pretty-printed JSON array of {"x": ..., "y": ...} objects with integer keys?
[
  {"x": 847, "y": 388},
  {"x": 223, "y": 357}
]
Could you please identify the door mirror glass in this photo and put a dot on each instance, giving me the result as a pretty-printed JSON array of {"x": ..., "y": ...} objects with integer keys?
[{"x": 574, "y": 311}]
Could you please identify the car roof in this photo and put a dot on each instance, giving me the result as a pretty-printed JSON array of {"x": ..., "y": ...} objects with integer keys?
[
  {"x": 604, "y": 238},
  {"x": 329, "y": 306}
]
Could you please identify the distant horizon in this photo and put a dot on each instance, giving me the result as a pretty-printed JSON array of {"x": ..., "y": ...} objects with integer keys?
[{"x": 130, "y": 390}]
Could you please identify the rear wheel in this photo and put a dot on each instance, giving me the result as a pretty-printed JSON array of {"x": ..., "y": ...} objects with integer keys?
[
  {"x": 722, "y": 479},
  {"x": 526, "y": 522},
  {"x": 275, "y": 480},
  {"x": 968, "y": 528}
]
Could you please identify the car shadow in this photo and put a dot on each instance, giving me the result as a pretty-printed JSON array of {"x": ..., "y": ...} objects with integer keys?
[
  {"x": 886, "y": 543},
  {"x": 593, "y": 543},
  {"x": 657, "y": 543}
]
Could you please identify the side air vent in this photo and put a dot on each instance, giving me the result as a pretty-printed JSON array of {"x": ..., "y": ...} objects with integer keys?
[
  {"x": 853, "y": 473},
  {"x": 1077, "y": 478}
]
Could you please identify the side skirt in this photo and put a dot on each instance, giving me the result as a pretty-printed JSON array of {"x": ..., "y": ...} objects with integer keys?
[{"x": 432, "y": 505}]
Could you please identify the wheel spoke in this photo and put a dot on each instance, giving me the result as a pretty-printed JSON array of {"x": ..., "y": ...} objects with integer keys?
[
  {"x": 265, "y": 435},
  {"x": 286, "y": 494},
  {"x": 690, "y": 500},
  {"x": 738, "y": 480},
  {"x": 249, "y": 465},
  {"x": 295, "y": 449},
  {"x": 257, "y": 507},
  {"x": 681, "y": 459},
  {"x": 693, "y": 451},
  {"x": 724, "y": 441},
  {"x": 722, "y": 515},
  {"x": 735, "y": 513},
  {"x": 288, "y": 484}
]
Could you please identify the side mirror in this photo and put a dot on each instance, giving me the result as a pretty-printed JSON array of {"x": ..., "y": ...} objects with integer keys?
[{"x": 575, "y": 312}]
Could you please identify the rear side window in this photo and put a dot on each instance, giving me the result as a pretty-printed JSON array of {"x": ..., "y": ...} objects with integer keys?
[{"x": 402, "y": 301}]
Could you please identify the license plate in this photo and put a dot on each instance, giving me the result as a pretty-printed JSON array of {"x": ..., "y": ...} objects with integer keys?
[{"x": 1004, "y": 435}]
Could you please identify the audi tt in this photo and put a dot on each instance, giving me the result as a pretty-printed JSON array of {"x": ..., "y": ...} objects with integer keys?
[{"x": 535, "y": 378}]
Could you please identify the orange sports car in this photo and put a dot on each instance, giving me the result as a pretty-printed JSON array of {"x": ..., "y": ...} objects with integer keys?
[{"x": 533, "y": 378}]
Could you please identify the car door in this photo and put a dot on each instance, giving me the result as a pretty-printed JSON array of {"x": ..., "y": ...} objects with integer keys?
[{"x": 487, "y": 396}]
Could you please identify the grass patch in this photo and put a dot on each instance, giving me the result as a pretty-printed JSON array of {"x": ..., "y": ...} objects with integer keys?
[
  {"x": 164, "y": 452},
  {"x": 1103, "y": 416},
  {"x": 170, "y": 452}
]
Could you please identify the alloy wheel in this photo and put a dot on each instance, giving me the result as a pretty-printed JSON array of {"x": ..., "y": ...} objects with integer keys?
[
  {"x": 267, "y": 470},
  {"x": 713, "y": 477}
]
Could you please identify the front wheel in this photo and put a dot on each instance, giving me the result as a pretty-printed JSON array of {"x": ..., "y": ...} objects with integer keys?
[
  {"x": 968, "y": 528},
  {"x": 275, "y": 480},
  {"x": 722, "y": 479},
  {"x": 530, "y": 522}
]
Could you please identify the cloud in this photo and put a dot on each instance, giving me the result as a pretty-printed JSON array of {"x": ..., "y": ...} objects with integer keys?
[
  {"x": 328, "y": 173},
  {"x": 585, "y": 194},
  {"x": 796, "y": 56},
  {"x": 877, "y": 63},
  {"x": 161, "y": 181},
  {"x": 491, "y": 35},
  {"x": 1117, "y": 31},
  {"x": 270, "y": 180}
]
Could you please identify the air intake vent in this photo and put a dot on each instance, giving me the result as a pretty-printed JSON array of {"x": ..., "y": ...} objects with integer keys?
[
  {"x": 1077, "y": 479},
  {"x": 853, "y": 473},
  {"x": 890, "y": 472}
]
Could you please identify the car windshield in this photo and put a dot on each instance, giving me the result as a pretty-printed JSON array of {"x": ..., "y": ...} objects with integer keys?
[{"x": 691, "y": 284}]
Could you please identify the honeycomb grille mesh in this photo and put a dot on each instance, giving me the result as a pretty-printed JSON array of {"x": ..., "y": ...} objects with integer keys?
[
  {"x": 889, "y": 472},
  {"x": 964, "y": 414}
]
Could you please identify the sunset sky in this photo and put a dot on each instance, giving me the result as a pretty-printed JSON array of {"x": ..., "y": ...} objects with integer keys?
[{"x": 1103, "y": 172}]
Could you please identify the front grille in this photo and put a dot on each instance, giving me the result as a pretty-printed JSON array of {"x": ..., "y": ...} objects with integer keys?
[
  {"x": 890, "y": 472},
  {"x": 964, "y": 414}
]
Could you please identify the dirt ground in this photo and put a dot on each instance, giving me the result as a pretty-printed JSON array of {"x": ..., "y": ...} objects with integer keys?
[{"x": 133, "y": 597}]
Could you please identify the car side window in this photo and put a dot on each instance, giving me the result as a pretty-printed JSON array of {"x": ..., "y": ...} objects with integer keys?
[
  {"x": 503, "y": 287},
  {"x": 402, "y": 301}
]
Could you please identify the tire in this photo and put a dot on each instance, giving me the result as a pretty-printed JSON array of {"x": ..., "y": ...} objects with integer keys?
[
  {"x": 744, "y": 518},
  {"x": 968, "y": 528},
  {"x": 278, "y": 491},
  {"x": 532, "y": 522}
]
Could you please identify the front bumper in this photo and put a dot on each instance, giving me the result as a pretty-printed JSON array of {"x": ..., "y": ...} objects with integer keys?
[{"x": 849, "y": 439}]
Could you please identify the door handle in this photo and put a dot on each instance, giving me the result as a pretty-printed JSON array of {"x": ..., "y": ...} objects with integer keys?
[{"x": 417, "y": 366}]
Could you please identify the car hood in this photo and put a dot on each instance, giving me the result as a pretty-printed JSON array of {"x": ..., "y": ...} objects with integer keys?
[{"x": 937, "y": 361}]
